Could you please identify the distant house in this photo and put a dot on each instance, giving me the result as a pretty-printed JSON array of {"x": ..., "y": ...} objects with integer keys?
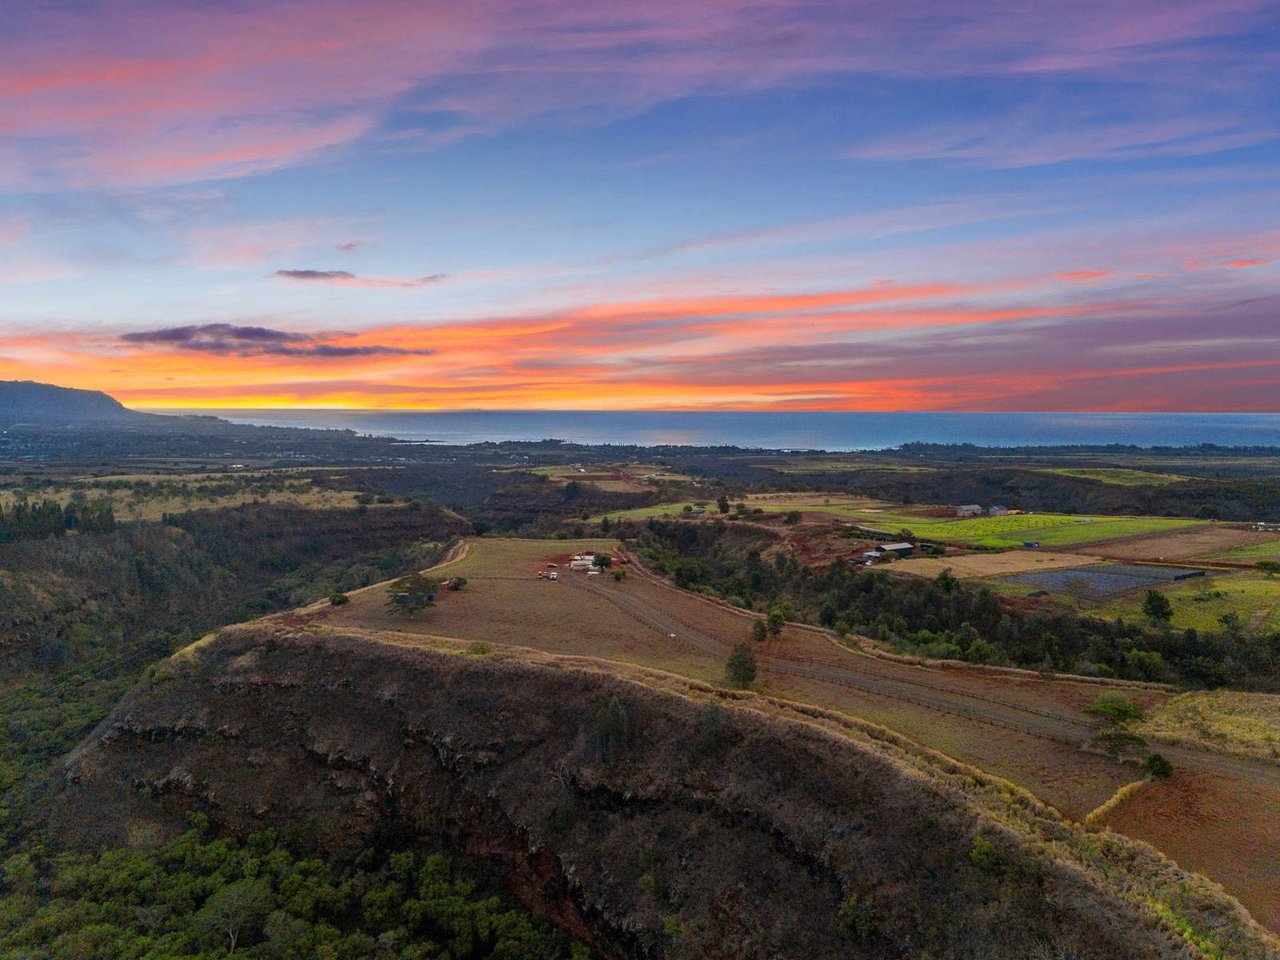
[
  {"x": 969, "y": 510},
  {"x": 901, "y": 549},
  {"x": 998, "y": 510},
  {"x": 1263, "y": 526}
]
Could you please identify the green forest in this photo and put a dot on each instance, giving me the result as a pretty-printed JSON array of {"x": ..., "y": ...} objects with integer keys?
[{"x": 197, "y": 897}]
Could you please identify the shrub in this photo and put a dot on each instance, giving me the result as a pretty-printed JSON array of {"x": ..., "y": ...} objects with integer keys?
[
  {"x": 1157, "y": 767},
  {"x": 982, "y": 854},
  {"x": 855, "y": 918},
  {"x": 339, "y": 599}
]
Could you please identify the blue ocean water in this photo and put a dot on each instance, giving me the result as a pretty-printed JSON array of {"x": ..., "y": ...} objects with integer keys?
[{"x": 784, "y": 430}]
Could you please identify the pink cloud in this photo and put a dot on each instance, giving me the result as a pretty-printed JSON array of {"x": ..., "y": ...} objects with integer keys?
[
  {"x": 120, "y": 92},
  {"x": 13, "y": 229}
]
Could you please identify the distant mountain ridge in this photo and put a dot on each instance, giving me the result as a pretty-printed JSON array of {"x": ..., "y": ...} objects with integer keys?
[{"x": 25, "y": 401}]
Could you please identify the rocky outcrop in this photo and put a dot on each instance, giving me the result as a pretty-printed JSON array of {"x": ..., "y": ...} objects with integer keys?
[{"x": 649, "y": 815}]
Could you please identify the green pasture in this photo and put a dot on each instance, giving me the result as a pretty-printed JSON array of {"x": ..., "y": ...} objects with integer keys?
[
  {"x": 1252, "y": 553},
  {"x": 1201, "y": 601},
  {"x": 1117, "y": 476}
]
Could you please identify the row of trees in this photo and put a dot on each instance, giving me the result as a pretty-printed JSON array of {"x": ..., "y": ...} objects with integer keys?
[
  {"x": 944, "y": 618},
  {"x": 49, "y": 518}
]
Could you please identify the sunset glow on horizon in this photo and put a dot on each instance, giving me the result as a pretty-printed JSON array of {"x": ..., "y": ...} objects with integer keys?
[{"x": 726, "y": 205}]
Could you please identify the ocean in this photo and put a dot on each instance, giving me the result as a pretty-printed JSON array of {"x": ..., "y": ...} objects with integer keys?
[{"x": 788, "y": 431}]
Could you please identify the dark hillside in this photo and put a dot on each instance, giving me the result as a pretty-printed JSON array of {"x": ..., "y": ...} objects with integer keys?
[
  {"x": 24, "y": 401},
  {"x": 651, "y": 816}
]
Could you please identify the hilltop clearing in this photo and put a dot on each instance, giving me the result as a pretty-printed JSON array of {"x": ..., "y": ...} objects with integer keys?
[{"x": 1027, "y": 728}]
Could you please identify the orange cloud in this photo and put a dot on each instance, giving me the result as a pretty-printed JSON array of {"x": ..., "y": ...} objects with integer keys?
[{"x": 920, "y": 346}]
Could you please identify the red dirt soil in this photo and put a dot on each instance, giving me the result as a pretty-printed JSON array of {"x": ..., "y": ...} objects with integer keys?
[{"x": 1223, "y": 826}]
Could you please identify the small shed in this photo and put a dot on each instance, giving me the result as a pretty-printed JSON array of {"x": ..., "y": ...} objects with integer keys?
[
  {"x": 969, "y": 510},
  {"x": 901, "y": 549},
  {"x": 998, "y": 510}
]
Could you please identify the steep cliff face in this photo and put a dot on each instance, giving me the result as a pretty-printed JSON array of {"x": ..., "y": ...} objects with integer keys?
[{"x": 651, "y": 816}]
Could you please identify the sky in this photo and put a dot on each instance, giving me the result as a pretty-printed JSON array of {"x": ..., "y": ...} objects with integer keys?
[{"x": 727, "y": 204}]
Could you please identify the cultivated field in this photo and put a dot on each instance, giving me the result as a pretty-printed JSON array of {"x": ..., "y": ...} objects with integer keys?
[
  {"x": 644, "y": 621},
  {"x": 1206, "y": 541},
  {"x": 1224, "y": 825},
  {"x": 1016, "y": 725},
  {"x": 1101, "y": 582},
  {"x": 1246, "y": 724},
  {"x": 1048, "y": 529},
  {"x": 983, "y": 565}
]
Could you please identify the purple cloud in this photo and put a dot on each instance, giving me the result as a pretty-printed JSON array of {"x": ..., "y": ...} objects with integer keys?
[{"x": 248, "y": 341}]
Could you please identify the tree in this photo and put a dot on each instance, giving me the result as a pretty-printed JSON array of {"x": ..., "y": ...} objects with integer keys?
[
  {"x": 777, "y": 620},
  {"x": 603, "y": 561},
  {"x": 759, "y": 631},
  {"x": 1112, "y": 733},
  {"x": 1269, "y": 567},
  {"x": 605, "y": 524},
  {"x": 723, "y": 504},
  {"x": 612, "y": 734},
  {"x": 410, "y": 594},
  {"x": 233, "y": 910},
  {"x": 740, "y": 668},
  {"x": 1156, "y": 607}
]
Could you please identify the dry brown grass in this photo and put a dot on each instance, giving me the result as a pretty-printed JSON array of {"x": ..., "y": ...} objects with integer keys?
[
  {"x": 982, "y": 565},
  {"x": 1244, "y": 724}
]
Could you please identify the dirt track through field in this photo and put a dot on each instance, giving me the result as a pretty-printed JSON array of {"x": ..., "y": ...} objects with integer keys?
[{"x": 1014, "y": 724}]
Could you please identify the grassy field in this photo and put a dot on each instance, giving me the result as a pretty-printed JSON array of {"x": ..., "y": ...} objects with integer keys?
[
  {"x": 1266, "y": 550},
  {"x": 602, "y": 477},
  {"x": 859, "y": 507},
  {"x": 149, "y": 497},
  {"x": 1201, "y": 601},
  {"x": 1246, "y": 724},
  {"x": 1117, "y": 476},
  {"x": 845, "y": 466}
]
